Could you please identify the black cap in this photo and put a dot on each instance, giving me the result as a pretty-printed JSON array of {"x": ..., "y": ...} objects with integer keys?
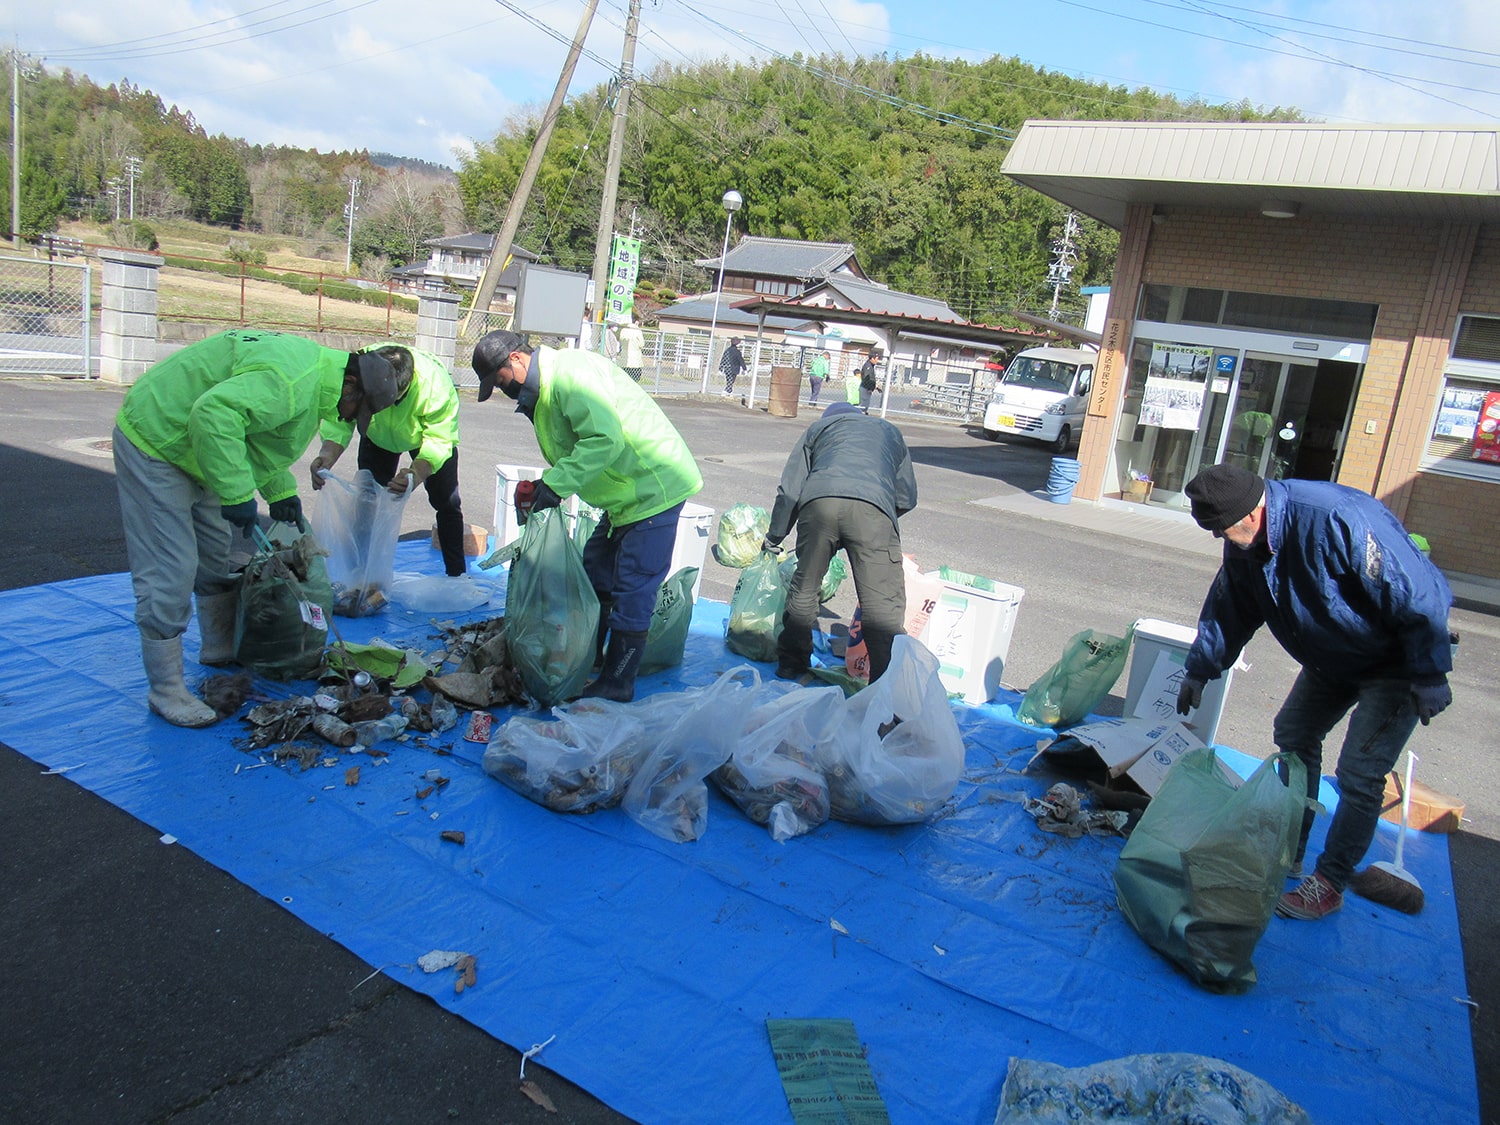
[
  {"x": 1223, "y": 495},
  {"x": 490, "y": 354},
  {"x": 378, "y": 382}
]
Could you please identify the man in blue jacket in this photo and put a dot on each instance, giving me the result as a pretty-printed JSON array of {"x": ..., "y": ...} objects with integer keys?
[
  {"x": 845, "y": 485},
  {"x": 1335, "y": 577}
]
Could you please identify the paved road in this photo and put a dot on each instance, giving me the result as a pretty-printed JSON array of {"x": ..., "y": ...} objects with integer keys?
[{"x": 145, "y": 985}]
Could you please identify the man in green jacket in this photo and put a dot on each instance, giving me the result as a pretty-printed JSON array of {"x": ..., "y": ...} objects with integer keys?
[
  {"x": 608, "y": 443},
  {"x": 424, "y": 423},
  {"x": 198, "y": 435}
]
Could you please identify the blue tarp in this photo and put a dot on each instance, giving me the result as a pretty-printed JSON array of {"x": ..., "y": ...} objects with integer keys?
[{"x": 952, "y": 945}]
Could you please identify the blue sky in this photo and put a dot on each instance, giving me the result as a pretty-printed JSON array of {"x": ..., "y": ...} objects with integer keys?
[{"x": 427, "y": 78}]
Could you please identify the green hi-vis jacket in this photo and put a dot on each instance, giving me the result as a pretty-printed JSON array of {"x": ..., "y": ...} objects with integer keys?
[
  {"x": 236, "y": 410},
  {"x": 426, "y": 419},
  {"x": 607, "y": 441}
]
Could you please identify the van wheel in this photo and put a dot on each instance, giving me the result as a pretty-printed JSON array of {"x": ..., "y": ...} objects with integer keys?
[
  {"x": 993, "y": 435},
  {"x": 1064, "y": 436}
]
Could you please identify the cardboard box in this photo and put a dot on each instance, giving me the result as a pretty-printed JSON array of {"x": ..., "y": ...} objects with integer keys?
[
  {"x": 1143, "y": 750},
  {"x": 1431, "y": 811},
  {"x": 476, "y": 540},
  {"x": 969, "y": 632}
]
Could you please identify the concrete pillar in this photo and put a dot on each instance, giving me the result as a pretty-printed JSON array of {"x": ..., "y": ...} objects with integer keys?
[
  {"x": 127, "y": 314},
  {"x": 437, "y": 327}
]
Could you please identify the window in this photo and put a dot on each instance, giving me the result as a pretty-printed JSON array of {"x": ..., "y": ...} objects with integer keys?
[
  {"x": 1468, "y": 410},
  {"x": 1267, "y": 312}
]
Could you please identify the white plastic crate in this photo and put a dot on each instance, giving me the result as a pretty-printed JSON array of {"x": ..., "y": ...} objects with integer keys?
[
  {"x": 969, "y": 632},
  {"x": 1157, "y": 664}
]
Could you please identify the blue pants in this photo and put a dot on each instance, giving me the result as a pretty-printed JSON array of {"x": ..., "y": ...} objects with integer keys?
[
  {"x": 627, "y": 565},
  {"x": 1383, "y": 719}
]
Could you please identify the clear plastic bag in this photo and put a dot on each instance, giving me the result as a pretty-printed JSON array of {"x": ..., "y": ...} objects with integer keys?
[
  {"x": 897, "y": 755},
  {"x": 772, "y": 774},
  {"x": 755, "y": 610},
  {"x": 1070, "y": 690},
  {"x": 692, "y": 735},
  {"x": 358, "y": 521},
  {"x": 579, "y": 760},
  {"x": 1200, "y": 875},
  {"x": 551, "y": 611},
  {"x": 440, "y": 593}
]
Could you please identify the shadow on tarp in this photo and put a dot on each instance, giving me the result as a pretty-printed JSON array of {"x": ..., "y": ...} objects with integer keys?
[{"x": 952, "y": 945}]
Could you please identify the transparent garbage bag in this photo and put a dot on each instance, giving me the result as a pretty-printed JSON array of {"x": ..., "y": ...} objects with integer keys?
[
  {"x": 1070, "y": 690},
  {"x": 358, "y": 521},
  {"x": 551, "y": 611}
]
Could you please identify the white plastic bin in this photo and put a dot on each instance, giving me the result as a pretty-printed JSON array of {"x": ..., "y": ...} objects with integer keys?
[
  {"x": 507, "y": 527},
  {"x": 969, "y": 632},
  {"x": 694, "y": 529},
  {"x": 1157, "y": 666}
]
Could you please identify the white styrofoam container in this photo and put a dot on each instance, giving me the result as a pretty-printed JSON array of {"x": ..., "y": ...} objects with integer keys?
[
  {"x": 1157, "y": 665},
  {"x": 969, "y": 632}
]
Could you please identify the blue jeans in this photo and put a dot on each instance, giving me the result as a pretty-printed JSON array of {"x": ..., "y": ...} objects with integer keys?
[
  {"x": 627, "y": 565},
  {"x": 1383, "y": 719}
]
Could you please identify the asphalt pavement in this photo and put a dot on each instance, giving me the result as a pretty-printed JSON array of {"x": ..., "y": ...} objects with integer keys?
[{"x": 145, "y": 985}]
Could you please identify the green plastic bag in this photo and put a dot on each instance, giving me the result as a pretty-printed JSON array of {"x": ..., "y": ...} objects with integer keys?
[
  {"x": 551, "y": 611},
  {"x": 281, "y": 626},
  {"x": 742, "y": 529},
  {"x": 833, "y": 577},
  {"x": 755, "y": 609},
  {"x": 1069, "y": 690},
  {"x": 670, "y": 621},
  {"x": 1200, "y": 875}
]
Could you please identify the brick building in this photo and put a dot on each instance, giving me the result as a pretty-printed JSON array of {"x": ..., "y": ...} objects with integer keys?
[{"x": 1309, "y": 301}]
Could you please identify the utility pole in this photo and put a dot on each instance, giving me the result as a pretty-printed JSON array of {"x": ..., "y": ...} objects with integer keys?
[
  {"x": 1063, "y": 257},
  {"x": 605, "y": 238},
  {"x": 485, "y": 291},
  {"x": 133, "y": 167},
  {"x": 349, "y": 214},
  {"x": 114, "y": 190},
  {"x": 15, "y": 144}
]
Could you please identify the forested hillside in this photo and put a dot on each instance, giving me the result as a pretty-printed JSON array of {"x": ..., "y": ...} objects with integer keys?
[{"x": 900, "y": 157}]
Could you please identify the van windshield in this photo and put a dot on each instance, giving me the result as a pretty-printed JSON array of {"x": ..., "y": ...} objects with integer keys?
[{"x": 1040, "y": 374}]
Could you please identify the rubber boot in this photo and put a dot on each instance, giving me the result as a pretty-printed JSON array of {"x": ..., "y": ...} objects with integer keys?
[
  {"x": 605, "y": 606},
  {"x": 878, "y": 644},
  {"x": 622, "y": 660},
  {"x": 169, "y": 696},
  {"x": 216, "y": 620}
]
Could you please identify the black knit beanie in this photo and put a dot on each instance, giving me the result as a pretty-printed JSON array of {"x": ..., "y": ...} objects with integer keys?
[{"x": 1224, "y": 495}]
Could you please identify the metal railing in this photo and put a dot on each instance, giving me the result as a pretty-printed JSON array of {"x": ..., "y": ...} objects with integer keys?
[{"x": 44, "y": 317}]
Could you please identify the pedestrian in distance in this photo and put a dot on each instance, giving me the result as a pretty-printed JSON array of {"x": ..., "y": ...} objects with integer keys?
[
  {"x": 816, "y": 373},
  {"x": 607, "y": 442},
  {"x": 423, "y": 424},
  {"x": 868, "y": 384},
  {"x": 632, "y": 350},
  {"x": 1336, "y": 578},
  {"x": 731, "y": 363},
  {"x": 197, "y": 436},
  {"x": 846, "y": 485}
]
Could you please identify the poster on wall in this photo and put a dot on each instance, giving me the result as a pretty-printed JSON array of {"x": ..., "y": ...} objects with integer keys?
[
  {"x": 1487, "y": 433},
  {"x": 1458, "y": 414},
  {"x": 1175, "y": 383}
]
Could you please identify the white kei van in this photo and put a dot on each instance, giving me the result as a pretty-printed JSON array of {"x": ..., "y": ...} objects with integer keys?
[{"x": 1042, "y": 395}]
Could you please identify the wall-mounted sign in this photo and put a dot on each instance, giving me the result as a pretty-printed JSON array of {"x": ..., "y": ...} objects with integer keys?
[{"x": 1175, "y": 386}]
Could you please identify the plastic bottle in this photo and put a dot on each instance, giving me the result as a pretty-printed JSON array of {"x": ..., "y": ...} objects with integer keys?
[{"x": 378, "y": 730}]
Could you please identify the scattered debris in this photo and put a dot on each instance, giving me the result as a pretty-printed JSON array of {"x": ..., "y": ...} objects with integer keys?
[
  {"x": 467, "y": 972},
  {"x": 438, "y": 960},
  {"x": 1060, "y": 811},
  {"x": 227, "y": 694},
  {"x": 534, "y": 1092},
  {"x": 453, "y": 836},
  {"x": 351, "y": 776}
]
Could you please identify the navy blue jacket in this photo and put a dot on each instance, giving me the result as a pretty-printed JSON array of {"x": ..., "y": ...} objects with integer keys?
[{"x": 1338, "y": 582}]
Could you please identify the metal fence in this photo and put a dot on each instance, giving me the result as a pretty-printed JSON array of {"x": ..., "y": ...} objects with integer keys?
[
  {"x": 44, "y": 317},
  {"x": 675, "y": 363}
]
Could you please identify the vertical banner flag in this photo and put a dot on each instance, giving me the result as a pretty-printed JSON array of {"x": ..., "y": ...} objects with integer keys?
[{"x": 624, "y": 268}]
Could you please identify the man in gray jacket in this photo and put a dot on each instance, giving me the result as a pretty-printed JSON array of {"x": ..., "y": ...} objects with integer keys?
[{"x": 845, "y": 485}]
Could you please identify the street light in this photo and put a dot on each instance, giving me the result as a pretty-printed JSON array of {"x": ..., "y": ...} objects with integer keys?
[{"x": 732, "y": 201}]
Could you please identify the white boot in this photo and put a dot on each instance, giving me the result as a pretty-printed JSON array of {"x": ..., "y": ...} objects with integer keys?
[
  {"x": 216, "y": 620},
  {"x": 169, "y": 696}
]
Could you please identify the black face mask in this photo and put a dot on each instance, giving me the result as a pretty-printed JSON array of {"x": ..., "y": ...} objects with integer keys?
[
  {"x": 527, "y": 395},
  {"x": 511, "y": 389}
]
